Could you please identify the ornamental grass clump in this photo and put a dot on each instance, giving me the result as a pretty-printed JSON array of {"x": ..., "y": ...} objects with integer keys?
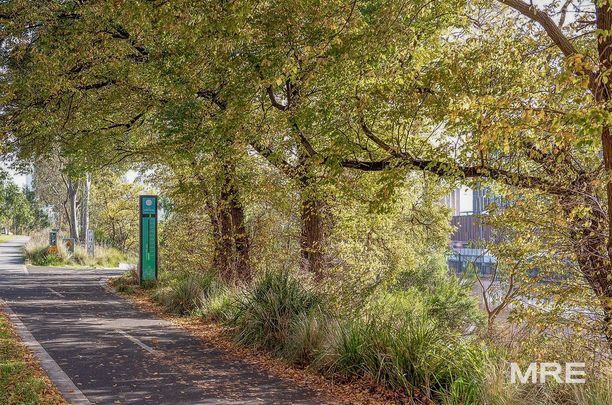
[
  {"x": 281, "y": 314},
  {"x": 184, "y": 294},
  {"x": 404, "y": 349},
  {"x": 219, "y": 305}
]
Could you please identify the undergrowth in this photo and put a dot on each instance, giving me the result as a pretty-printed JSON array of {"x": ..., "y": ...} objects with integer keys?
[
  {"x": 37, "y": 253},
  {"x": 405, "y": 341}
]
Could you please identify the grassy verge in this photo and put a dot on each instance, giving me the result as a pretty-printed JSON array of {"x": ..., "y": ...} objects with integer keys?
[
  {"x": 36, "y": 252},
  {"x": 405, "y": 343},
  {"x": 6, "y": 238},
  {"x": 21, "y": 379},
  {"x": 210, "y": 321},
  {"x": 398, "y": 349}
]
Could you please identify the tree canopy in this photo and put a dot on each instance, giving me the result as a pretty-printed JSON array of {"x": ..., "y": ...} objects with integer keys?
[{"x": 321, "y": 116}]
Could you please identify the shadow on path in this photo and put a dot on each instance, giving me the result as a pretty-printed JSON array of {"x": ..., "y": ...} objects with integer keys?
[{"x": 117, "y": 353}]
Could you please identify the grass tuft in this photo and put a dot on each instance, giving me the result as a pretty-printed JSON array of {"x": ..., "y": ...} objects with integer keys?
[
  {"x": 185, "y": 294},
  {"x": 271, "y": 310}
]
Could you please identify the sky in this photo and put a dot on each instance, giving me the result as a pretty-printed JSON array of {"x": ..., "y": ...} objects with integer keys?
[{"x": 19, "y": 179}]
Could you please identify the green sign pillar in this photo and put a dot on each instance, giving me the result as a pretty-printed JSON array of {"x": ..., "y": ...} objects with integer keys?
[{"x": 147, "y": 263}]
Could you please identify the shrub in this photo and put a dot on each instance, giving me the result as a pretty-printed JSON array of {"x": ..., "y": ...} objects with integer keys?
[
  {"x": 446, "y": 298},
  {"x": 407, "y": 350},
  {"x": 36, "y": 252},
  {"x": 220, "y": 305},
  {"x": 127, "y": 282},
  {"x": 104, "y": 257},
  {"x": 269, "y": 312},
  {"x": 595, "y": 391},
  {"x": 308, "y": 334},
  {"x": 41, "y": 257},
  {"x": 498, "y": 390},
  {"x": 453, "y": 304},
  {"x": 185, "y": 293}
]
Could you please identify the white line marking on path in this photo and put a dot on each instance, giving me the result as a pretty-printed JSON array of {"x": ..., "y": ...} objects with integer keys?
[
  {"x": 135, "y": 341},
  {"x": 56, "y": 293},
  {"x": 63, "y": 383}
]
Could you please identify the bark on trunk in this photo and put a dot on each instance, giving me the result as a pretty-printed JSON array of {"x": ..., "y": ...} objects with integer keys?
[
  {"x": 599, "y": 274},
  {"x": 232, "y": 244},
  {"x": 85, "y": 207},
  {"x": 311, "y": 241},
  {"x": 312, "y": 238},
  {"x": 594, "y": 264},
  {"x": 72, "y": 191}
]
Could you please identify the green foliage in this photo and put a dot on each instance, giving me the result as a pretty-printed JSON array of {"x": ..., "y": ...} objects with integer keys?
[
  {"x": 185, "y": 293},
  {"x": 220, "y": 305},
  {"x": 406, "y": 350},
  {"x": 41, "y": 257},
  {"x": 453, "y": 88},
  {"x": 443, "y": 296},
  {"x": 21, "y": 382},
  {"x": 114, "y": 208},
  {"x": 36, "y": 251},
  {"x": 269, "y": 310},
  {"x": 403, "y": 339},
  {"x": 19, "y": 211},
  {"x": 185, "y": 240},
  {"x": 103, "y": 257},
  {"x": 375, "y": 243},
  {"x": 309, "y": 332},
  {"x": 126, "y": 283},
  {"x": 453, "y": 304},
  {"x": 499, "y": 391}
]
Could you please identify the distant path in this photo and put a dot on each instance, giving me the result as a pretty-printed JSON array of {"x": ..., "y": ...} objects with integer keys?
[
  {"x": 11, "y": 256},
  {"x": 116, "y": 353}
]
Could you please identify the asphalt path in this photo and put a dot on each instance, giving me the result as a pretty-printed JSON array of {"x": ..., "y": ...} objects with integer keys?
[{"x": 116, "y": 353}]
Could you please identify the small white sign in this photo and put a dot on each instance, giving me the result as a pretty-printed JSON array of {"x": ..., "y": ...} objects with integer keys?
[{"x": 90, "y": 242}]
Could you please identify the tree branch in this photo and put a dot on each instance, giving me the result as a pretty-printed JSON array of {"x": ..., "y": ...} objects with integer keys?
[
  {"x": 304, "y": 141},
  {"x": 564, "y": 12},
  {"x": 552, "y": 29},
  {"x": 214, "y": 97},
  {"x": 274, "y": 101},
  {"x": 451, "y": 168},
  {"x": 382, "y": 144},
  {"x": 95, "y": 86},
  {"x": 273, "y": 158}
]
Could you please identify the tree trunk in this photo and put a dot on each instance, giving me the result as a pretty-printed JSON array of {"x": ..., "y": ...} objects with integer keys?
[
  {"x": 85, "y": 207},
  {"x": 239, "y": 236},
  {"x": 72, "y": 191},
  {"x": 232, "y": 245},
  {"x": 589, "y": 236},
  {"x": 599, "y": 274},
  {"x": 312, "y": 238},
  {"x": 594, "y": 264}
]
